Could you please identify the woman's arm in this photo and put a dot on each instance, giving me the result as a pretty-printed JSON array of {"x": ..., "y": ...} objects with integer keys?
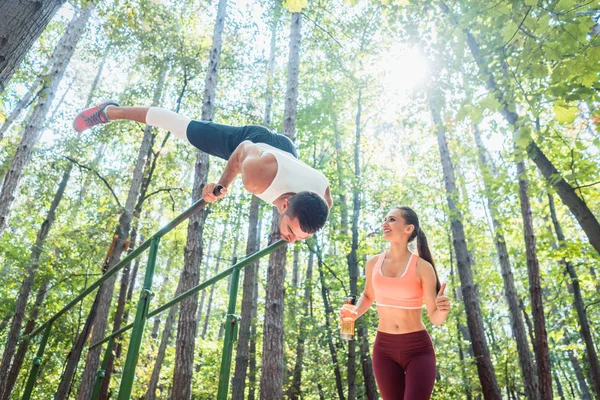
[
  {"x": 368, "y": 295},
  {"x": 438, "y": 305}
]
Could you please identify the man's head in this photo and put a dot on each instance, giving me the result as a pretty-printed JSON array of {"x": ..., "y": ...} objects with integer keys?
[{"x": 302, "y": 215}]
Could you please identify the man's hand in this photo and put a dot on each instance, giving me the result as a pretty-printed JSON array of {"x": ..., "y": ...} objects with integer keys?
[{"x": 208, "y": 192}]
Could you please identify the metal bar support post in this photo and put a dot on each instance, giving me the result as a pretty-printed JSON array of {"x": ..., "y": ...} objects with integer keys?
[
  {"x": 37, "y": 361},
  {"x": 102, "y": 371},
  {"x": 139, "y": 323},
  {"x": 231, "y": 330}
]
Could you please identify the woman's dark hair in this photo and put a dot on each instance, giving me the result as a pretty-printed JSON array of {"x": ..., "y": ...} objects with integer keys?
[{"x": 411, "y": 218}]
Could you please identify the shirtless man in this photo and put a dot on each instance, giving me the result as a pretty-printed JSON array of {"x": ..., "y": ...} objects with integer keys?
[{"x": 267, "y": 161}]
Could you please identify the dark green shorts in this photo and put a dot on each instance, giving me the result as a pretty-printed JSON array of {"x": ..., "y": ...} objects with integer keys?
[{"x": 221, "y": 140}]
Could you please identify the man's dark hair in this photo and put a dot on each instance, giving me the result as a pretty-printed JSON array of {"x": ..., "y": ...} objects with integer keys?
[{"x": 310, "y": 209}]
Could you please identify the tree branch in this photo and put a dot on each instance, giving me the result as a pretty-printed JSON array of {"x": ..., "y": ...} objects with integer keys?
[{"x": 98, "y": 175}]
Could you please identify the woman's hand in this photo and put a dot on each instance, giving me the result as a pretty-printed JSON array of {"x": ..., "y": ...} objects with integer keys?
[
  {"x": 442, "y": 301},
  {"x": 348, "y": 313}
]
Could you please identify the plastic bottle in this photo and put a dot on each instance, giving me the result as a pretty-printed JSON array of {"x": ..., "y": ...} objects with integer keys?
[{"x": 347, "y": 325}]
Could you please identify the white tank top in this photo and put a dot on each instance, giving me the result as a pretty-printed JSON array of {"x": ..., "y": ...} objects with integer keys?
[{"x": 292, "y": 176}]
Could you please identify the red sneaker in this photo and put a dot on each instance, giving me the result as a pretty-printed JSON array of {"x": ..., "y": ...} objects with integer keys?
[{"x": 92, "y": 116}]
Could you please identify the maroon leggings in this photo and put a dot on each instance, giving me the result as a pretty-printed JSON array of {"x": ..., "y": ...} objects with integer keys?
[{"x": 404, "y": 365}]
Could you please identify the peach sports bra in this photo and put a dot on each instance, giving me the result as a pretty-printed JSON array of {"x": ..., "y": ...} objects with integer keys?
[{"x": 403, "y": 291}]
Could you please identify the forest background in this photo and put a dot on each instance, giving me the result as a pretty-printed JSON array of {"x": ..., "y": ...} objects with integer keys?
[{"x": 482, "y": 116}]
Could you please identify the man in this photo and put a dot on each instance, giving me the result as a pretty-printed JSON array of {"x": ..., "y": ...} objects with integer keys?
[{"x": 267, "y": 161}]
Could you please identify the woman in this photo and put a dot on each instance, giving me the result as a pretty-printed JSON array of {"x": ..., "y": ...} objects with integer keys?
[{"x": 398, "y": 280}]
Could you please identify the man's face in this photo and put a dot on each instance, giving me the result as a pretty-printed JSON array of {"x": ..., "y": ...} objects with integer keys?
[{"x": 289, "y": 228}]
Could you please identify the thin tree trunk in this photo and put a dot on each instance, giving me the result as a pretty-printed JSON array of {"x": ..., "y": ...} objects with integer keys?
[
  {"x": 24, "y": 345},
  {"x": 33, "y": 130},
  {"x": 147, "y": 178},
  {"x": 242, "y": 355},
  {"x": 585, "y": 392},
  {"x": 212, "y": 288},
  {"x": 271, "y": 380},
  {"x": 253, "y": 326},
  {"x": 64, "y": 386},
  {"x": 328, "y": 310},
  {"x": 584, "y": 325},
  {"x": 540, "y": 347},
  {"x": 162, "y": 348},
  {"x": 106, "y": 289},
  {"x": 27, "y": 284},
  {"x": 518, "y": 327},
  {"x": 22, "y": 104},
  {"x": 204, "y": 277},
  {"x": 21, "y": 23},
  {"x": 188, "y": 326},
  {"x": 470, "y": 294},
  {"x": 294, "y": 392},
  {"x": 459, "y": 327}
]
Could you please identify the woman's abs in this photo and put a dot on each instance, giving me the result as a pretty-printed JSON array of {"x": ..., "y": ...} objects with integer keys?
[{"x": 398, "y": 320}]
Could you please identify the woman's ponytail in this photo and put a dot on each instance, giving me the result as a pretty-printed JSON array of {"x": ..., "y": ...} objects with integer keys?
[
  {"x": 411, "y": 218},
  {"x": 425, "y": 254}
]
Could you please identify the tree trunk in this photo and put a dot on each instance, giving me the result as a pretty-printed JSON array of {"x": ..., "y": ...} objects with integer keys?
[
  {"x": 22, "y": 104},
  {"x": 540, "y": 347},
  {"x": 27, "y": 284},
  {"x": 66, "y": 379},
  {"x": 212, "y": 288},
  {"x": 252, "y": 350},
  {"x": 187, "y": 327},
  {"x": 162, "y": 348},
  {"x": 106, "y": 289},
  {"x": 459, "y": 327},
  {"x": 584, "y": 325},
  {"x": 328, "y": 310},
  {"x": 470, "y": 294},
  {"x": 24, "y": 345},
  {"x": 526, "y": 363},
  {"x": 21, "y": 23},
  {"x": 147, "y": 178},
  {"x": 33, "y": 130},
  {"x": 238, "y": 383},
  {"x": 295, "y": 388},
  {"x": 271, "y": 380},
  {"x": 585, "y": 393},
  {"x": 204, "y": 277}
]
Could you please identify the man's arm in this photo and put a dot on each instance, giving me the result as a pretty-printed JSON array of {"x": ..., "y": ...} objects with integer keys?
[
  {"x": 328, "y": 198},
  {"x": 258, "y": 171}
]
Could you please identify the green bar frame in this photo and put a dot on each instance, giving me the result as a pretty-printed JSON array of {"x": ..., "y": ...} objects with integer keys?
[
  {"x": 231, "y": 327},
  {"x": 102, "y": 371},
  {"x": 142, "y": 313},
  {"x": 139, "y": 324},
  {"x": 37, "y": 361}
]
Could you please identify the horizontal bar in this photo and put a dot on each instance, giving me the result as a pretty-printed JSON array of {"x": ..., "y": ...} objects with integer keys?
[
  {"x": 194, "y": 208},
  {"x": 242, "y": 264}
]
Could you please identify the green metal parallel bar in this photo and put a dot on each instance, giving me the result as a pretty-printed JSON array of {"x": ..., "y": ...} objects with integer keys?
[
  {"x": 102, "y": 372},
  {"x": 231, "y": 325},
  {"x": 139, "y": 323},
  {"x": 194, "y": 208},
  {"x": 239, "y": 266},
  {"x": 37, "y": 361}
]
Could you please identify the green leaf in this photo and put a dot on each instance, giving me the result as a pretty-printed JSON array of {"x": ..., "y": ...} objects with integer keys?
[
  {"x": 565, "y": 114},
  {"x": 564, "y": 5},
  {"x": 531, "y": 3},
  {"x": 509, "y": 30},
  {"x": 523, "y": 137}
]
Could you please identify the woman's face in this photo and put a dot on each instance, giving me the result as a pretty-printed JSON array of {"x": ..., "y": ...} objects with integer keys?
[{"x": 395, "y": 227}]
